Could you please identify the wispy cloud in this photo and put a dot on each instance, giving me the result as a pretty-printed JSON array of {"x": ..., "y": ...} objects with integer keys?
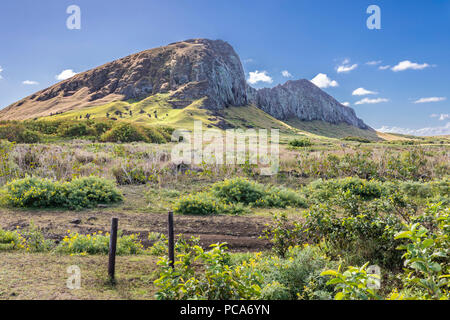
[
  {"x": 371, "y": 101},
  {"x": 405, "y": 65},
  {"x": 249, "y": 60},
  {"x": 1, "y": 69},
  {"x": 373, "y": 63},
  {"x": 430, "y": 99},
  {"x": 259, "y": 76},
  {"x": 323, "y": 81},
  {"x": 30, "y": 82},
  {"x": 65, "y": 74},
  {"x": 384, "y": 67},
  {"x": 441, "y": 116},
  {"x": 430, "y": 131},
  {"x": 347, "y": 104},
  {"x": 362, "y": 92},
  {"x": 346, "y": 66},
  {"x": 286, "y": 74}
]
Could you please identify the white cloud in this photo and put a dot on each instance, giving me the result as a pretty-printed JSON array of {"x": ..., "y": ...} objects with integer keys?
[
  {"x": 65, "y": 74},
  {"x": 347, "y": 104},
  {"x": 431, "y": 131},
  {"x": 384, "y": 67},
  {"x": 373, "y": 63},
  {"x": 249, "y": 60},
  {"x": 322, "y": 81},
  {"x": 1, "y": 69},
  {"x": 405, "y": 65},
  {"x": 346, "y": 67},
  {"x": 362, "y": 92},
  {"x": 441, "y": 116},
  {"x": 258, "y": 76},
  {"x": 30, "y": 82},
  {"x": 286, "y": 74},
  {"x": 371, "y": 101},
  {"x": 430, "y": 99}
]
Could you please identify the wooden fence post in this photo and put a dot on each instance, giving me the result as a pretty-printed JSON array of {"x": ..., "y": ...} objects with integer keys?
[
  {"x": 171, "y": 240},
  {"x": 112, "y": 249}
]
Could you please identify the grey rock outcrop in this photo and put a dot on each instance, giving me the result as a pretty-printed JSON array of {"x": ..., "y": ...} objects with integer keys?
[{"x": 303, "y": 100}]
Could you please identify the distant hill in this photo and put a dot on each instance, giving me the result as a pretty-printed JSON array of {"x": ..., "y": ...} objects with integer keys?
[{"x": 197, "y": 78}]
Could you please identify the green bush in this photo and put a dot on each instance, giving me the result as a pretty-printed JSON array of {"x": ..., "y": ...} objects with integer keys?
[
  {"x": 76, "y": 129},
  {"x": 35, "y": 192},
  {"x": 98, "y": 243},
  {"x": 206, "y": 204},
  {"x": 300, "y": 143},
  {"x": 361, "y": 188},
  {"x": 241, "y": 190},
  {"x": 124, "y": 132},
  {"x": 76, "y": 194},
  {"x": 217, "y": 279},
  {"x": 155, "y": 136},
  {"x": 11, "y": 240},
  {"x": 300, "y": 273},
  {"x": 357, "y": 238},
  {"x": 238, "y": 190},
  {"x": 18, "y": 133},
  {"x": 232, "y": 195},
  {"x": 275, "y": 291},
  {"x": 90, "y": 191},
  {"x": 357, "y": 139}
]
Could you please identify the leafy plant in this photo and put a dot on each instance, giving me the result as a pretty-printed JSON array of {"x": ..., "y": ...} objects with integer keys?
[
  {"x": 98, "y": 243},
  {"x": 353, "y": 284},
  {"x": 426, "y": 255}
]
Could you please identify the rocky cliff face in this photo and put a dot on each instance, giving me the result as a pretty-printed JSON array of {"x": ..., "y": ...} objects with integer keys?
[
  {"x": 188, "y": 70},
  {"x": 303, "y": 100}
]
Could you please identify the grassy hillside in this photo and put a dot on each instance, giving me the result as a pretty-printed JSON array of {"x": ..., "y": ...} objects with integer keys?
[{"x": 159, "y": 110}]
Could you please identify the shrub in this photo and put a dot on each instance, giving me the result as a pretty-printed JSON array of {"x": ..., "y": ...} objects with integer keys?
[
  {"x": 361, "y": 188},
  {"x": 97, "y": 243},
  {"x": 238, "y": 190},
  {"x": 357, "y": 139},
  {"x": 18, "y": 133},
  {"x": 35, "y": 192},
  {"x": 206, "y": 204},
  {"x": 154, "y": 136},
  {"x": 300, "y": 273},
  {"x": 275, "y": 291},
  {"x": 6, "y": 163},
  {"x": 281, "y": 198},
  {"x": 353, "y": 284},
  {"x": 282, "y": 233},
  {"x": 300, "y": 143},
  {"x": 90, "y": 191},
  {"x": 426, "y": 254},
  {"x": 76, "y": 194},
  {"x": 102, "y": 127},
  {"x": 77, "y": 129},
  {"x": 216, "y": 280},
  {"x": 357, "y": 238},
  {"x": 34, "y": 239},
  {"x": 124, "y": 132},
  {"x": 11, "y": 240}
]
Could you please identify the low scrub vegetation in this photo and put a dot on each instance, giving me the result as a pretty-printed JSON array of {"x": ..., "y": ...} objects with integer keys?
[
  {"x": 234, "y": 196},
  {"x": 101, "y": 130},
  {"x": 300, "y": 143},
  {"x": 32, "y": 239},
  {"x": 32, "y": 192}
]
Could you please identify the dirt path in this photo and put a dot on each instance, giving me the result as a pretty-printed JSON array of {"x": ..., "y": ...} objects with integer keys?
[{"x": 240, "y": 232}]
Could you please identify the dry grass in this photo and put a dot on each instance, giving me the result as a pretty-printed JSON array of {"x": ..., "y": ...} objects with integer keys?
[{"x": 44, "y": 277}]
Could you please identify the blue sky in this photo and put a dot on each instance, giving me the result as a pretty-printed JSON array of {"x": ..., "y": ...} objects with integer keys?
[{"x": 305, "y": 38}]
